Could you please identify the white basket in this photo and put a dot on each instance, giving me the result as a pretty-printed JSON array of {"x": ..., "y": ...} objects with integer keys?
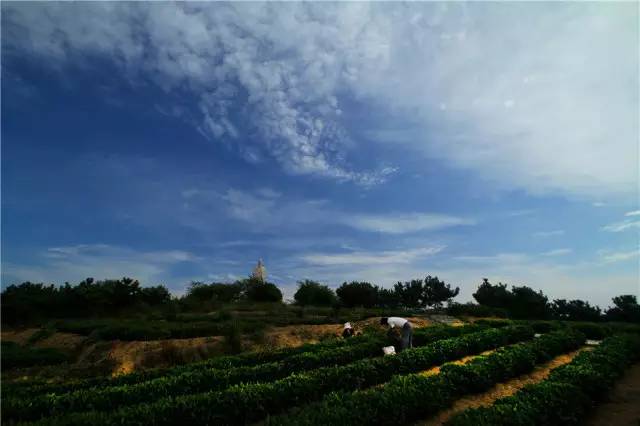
[{"x": 389, "y": 350}]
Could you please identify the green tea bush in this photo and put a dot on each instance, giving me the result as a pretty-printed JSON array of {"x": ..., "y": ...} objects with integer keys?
[
  {"x": 14, "y": 355},
  {"x": 566, "y": 396},
  {"x": 251, "y": 402},
  {"x": 408, "y": 398}
]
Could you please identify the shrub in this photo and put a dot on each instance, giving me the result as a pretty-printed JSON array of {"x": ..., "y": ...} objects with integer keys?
[
  {"x": 475, "y": 310},
  {"x": 14, "y": 355},
  {"x": 566, "y": 395},
  {"x": 250, "y": 402},
  {"x": 411, "y": 397}
]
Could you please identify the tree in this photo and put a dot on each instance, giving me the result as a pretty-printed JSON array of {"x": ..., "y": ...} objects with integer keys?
[
  {"x": 495, "y": 296},
  {"x": 157, "y": 295},
  {"x": 625, "y": 308},
  {"x": 214, "y": 292},
  {"x": 575, "y": 310},
  {"x": 388, "y": 298},
  {"x": 262, "y": 292},
  {"x": 314, "y": 294},
  {"x": 435, "y": 292},
  {"x": 410, "y": 294},
  {"x": 358, "y": 294},
  {"x": 527, "y": 303}
]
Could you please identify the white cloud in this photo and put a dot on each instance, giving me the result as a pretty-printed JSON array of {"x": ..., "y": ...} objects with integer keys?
[
  {"x": 404, "y": 223},
  {"x": 370, "y": 257},
  {"x": 598, "y": 204},
  {"x": 523, "y": 97},
  {"x": 633, "y": 213},
  {"x": 620, "y": 256},
  {"x": 548, "y": 233},
  {"x": 264, "y": 211},
  {"x": 622, "y": 226},
  {"x": 500, "y": 258},
  {"x": 100, "y": 261},
  {"x": 558, "y": 252}
]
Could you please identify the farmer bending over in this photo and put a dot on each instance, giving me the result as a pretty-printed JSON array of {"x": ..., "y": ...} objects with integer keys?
[
  {"x": 405, "y": 326},
  {"x": 347, "y": 331}
]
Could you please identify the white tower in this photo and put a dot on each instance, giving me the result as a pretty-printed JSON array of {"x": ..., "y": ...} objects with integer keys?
[{"x": 259, "y": 272}]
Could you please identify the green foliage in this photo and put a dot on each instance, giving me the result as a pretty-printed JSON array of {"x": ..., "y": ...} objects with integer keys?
[
  {"x": 251, "y": 402},
  {"x": 199, "y": 292},
  {"x": 14, "y": 355},
  {"x": 626, "y": 308},
  {"x": 495, "y": 296},
  {"x": 314, "y": 294},
  {"x": 436, "y": 292},
  {"x": 566, "y": 395},
  {"x": 233, "y": 338},
  {"x": 519, "y": 302},
  {"x": 407, "y": 398},
  {"x": 358, "y": 294},
  {"x": 29, "y": 302},
  {"x": 475, "y": 310},
  {"x": 264, "y": 292},
  {"x": 246, "y": 359},
  {"x": 575, "y": 310}
]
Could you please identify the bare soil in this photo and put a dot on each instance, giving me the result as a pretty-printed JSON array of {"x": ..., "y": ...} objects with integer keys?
[
  {"x": 501, "y": 390},
  {"x": 623, "y": 405}
]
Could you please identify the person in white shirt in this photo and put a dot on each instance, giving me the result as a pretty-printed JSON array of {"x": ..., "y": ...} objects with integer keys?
[
  {"x": 347, "y": 331},
  {"x": 405, "y": 327}
]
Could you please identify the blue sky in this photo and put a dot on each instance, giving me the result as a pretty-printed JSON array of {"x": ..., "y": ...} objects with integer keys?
[{"x": 381, "y": 142}]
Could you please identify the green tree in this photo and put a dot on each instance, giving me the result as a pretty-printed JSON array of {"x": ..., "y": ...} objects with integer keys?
[
  {"x": 410, "y": 293},
  {"x": 625, "y": 308},
  {"x": 315, "y": 294},
  {"x": 495, "y": 296},
  {"x": 435, "y": 292},
  {"x": 358, "y": 294},
  {"x": 262, "y": 292},
  {"x": 575, "y": 310}
]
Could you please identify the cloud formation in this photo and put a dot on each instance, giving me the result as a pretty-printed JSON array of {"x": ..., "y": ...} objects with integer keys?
[{"x": 524, "y": 95}]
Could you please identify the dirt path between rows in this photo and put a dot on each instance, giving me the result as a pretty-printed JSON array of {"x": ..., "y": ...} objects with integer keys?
[
  {"x": 623, "y": 405},
  {"x": 465, "y": 360},
  {"x": 500, "y": 390}
]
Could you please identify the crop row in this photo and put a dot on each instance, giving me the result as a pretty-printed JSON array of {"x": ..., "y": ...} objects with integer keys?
[
  {"x": 415, "y": 396},
  {"x": 190, "y": 382},
  {"x": 592, "y": 330},
  {"x": 221, "y": 362},
  {"x": 250, "y": 402},
  {"x": 566, "y": 395}
]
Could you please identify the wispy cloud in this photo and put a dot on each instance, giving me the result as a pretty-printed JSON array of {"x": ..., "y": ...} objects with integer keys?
[
  {"x": 502, "y": 258},
  {"x": 633, "y": 213},
  {"x": 404, "y": 223},
  {"x": 622, "y": 226},
  {"x": 100, "y": 261},
  {"x": 558, "y": 252},
  {"x": 370, "y": 257},
  {"x": 267, "y": 212},
  {"x": 548, "y": 233},
  {"x": 620, "y": 256},
  {"x": 249, "y": 79}
]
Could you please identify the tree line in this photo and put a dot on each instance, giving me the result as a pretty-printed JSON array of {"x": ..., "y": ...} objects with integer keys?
[{"x": 29, "y": 302}]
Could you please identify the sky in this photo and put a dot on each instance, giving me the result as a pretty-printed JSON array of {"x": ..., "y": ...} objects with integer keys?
[{"x": 336, "y": 141}]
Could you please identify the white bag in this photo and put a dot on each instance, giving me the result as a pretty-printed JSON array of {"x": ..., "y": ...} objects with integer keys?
[{"x": 389, "y": 350}]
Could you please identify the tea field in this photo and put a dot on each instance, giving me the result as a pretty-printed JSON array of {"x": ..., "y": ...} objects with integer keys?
[{"x": 349, "y": 382}]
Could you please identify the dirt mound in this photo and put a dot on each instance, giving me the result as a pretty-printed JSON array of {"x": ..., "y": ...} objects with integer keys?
[{"x": 20, "y": 337}]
